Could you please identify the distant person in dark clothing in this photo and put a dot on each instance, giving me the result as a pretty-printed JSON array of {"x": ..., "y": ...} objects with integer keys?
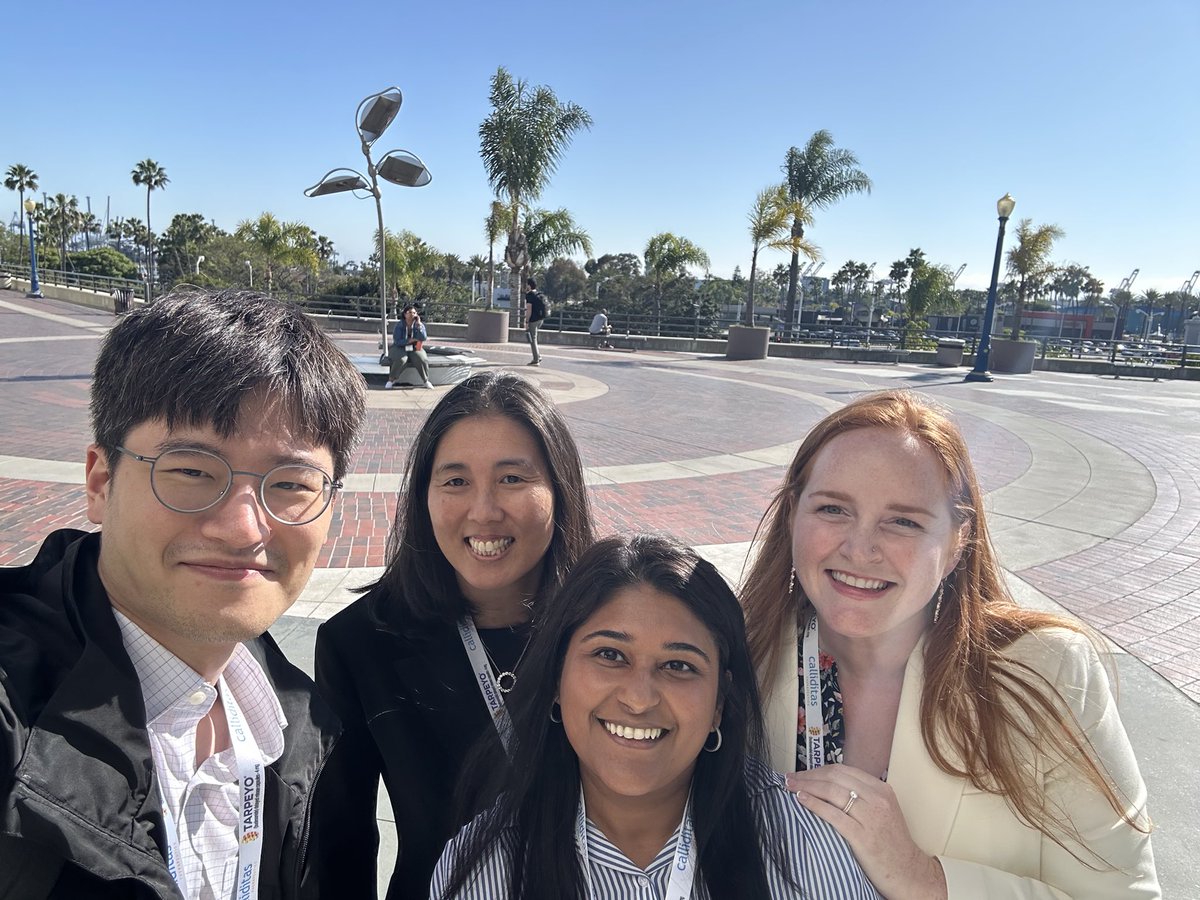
[{"x": 535, "y": 304}]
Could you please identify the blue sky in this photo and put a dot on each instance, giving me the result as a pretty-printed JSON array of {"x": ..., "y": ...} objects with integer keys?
[{"x": 1087, "y": 112}]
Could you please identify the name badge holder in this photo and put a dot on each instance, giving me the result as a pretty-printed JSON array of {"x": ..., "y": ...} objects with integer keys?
[
  {"x": 493, "y": 699},
  {"x": 810, "y": 689},
  {"x": 250, "y": 808}
]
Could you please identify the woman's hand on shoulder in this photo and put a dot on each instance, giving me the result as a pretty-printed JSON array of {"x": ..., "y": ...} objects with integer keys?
[{"x": 874, "y": 827}]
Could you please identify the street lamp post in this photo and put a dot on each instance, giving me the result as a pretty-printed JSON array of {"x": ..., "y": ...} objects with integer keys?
[
  {"x": 35, "y": 292},
  {"x": 1004, "y": 206},
  {"x": 251, "y": 268},
  {"x": 374, "y": 114}
]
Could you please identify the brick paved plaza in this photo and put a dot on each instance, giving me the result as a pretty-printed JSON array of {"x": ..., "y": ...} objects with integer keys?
[{"x": 1093, "y": 486}]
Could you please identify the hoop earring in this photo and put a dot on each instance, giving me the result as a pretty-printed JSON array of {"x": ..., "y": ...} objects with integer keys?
[
  {"x": 937, "y": 606},
  {"x": 553, "y": 707},
  {"x": 720, "y": 740}
]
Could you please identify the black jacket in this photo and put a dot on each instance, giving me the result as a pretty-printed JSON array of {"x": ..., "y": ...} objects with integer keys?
[
  {"x": 80, "y": 813},
  {"x": 412, "y": 711}
]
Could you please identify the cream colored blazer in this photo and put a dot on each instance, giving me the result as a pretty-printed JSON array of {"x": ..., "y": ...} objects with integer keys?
[{"x": 985, "y": 850}]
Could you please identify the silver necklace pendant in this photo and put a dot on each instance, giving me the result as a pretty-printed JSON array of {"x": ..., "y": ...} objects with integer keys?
[{"x": 506, "y": 686}]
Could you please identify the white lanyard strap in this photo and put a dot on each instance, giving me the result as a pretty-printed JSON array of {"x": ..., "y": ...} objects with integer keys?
[
  {"x": 251, "y": 791},
  {"x": 810, "y": 690},
  {"x": 486, "y": 681},
  {"x": 683, "y": 868}
]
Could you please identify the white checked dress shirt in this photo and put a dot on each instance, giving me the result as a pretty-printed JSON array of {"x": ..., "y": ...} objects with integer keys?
[
  {"x": 204, "y": 801},
  {"x": 821, "y": 860}
]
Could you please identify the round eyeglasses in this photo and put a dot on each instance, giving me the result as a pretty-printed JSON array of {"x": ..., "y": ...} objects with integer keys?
[{"x": 191, "y": 481}]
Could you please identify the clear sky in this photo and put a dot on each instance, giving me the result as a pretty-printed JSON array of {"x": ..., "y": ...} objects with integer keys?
[{"x": 1087, "y": 111}]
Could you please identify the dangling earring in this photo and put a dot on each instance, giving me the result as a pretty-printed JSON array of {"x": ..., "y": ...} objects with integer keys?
[
  {"x": 553, "y": 707},
  {"x": 937, "y": 606},
  {"x": 720, "y": 740},
  {"x": 792, "y": 583}
]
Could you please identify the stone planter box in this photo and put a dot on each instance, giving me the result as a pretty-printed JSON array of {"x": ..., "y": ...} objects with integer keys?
[
  {"x": 1012, "y": 357},
  {"x": 747, "y": 342},
  {"x": 487, "y": 326}
]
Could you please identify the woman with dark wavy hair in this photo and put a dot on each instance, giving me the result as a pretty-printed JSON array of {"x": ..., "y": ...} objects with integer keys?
[
  {"x": 493, "y": 512},
  {"x": 634, "y": 731},
  {"x": 964, "y": 746}
]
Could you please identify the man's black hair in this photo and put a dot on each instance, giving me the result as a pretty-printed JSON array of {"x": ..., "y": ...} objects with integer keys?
[{"x": 193, "y": 357}]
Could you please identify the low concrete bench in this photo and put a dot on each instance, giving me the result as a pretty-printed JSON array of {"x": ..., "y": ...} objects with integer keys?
[
  {"x": 1140, "y": 370},
  {"x": 447, "y": 365},
  {"x": 632, "y": 342}
]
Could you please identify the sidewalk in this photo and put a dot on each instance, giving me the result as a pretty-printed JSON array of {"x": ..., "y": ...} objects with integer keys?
[{"x": 1093, "y": 490}]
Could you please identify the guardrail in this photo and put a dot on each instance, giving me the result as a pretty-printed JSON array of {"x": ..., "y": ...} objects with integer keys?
[{"x": 101, "y": 284}]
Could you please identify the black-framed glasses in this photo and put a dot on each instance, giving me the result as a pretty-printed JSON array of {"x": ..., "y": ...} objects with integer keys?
[{"x": 193, "y": 480}]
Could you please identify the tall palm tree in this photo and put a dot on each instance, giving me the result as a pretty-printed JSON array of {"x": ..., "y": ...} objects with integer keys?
[
  {"x": 770, "y": 226},
  {"x": 21, "y": 178},
  {"x": 554, "y": 233},
  {"x": 89, "y": 225},
  {"x": 62, "y": 214},
  {"x": 818, "y": 176},
  {"x": 497, "y": 223},
  {"x": 668, "y": 256},
  {"x": 279, "y": 243},
  {"x": 1029, "y": 263},
  {"x": 521, "y": 142},
  {"x": 150, "y": 174}
]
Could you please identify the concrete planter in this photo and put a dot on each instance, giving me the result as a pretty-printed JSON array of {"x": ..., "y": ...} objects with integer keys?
[
  {"x": 487, "y": 326},
  {"x": 1012, "y": 357},
  {"x": 746, "y": 342}
]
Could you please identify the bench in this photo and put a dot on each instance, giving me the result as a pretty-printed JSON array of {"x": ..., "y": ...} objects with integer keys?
[
  {"x": 1140, "y": 370},
  {"x": 447, "y": 365},
  {"x": 631, "y": 342}
]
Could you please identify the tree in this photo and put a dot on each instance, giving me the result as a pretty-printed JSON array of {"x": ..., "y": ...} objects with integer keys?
[
  {"x": 1029, "y": 262},
  {"x": 667, "y": 258},
  {"x": 771, "y": 220},
  {"x": 104, "y": 261},
  {"x": 153, "y": 177},
  {"x": 89, "y": 225},
  {"x": 279, "y": 243},
  {"x": 21, "y": 178},
  {"x": 62, "y": 215},
  {"x": 498, "y": 222},
  {"x": 521, "y": 142},
  {"x": 612, "y": 264},
  {"x": 553, "y": 233},
  {"x": 564, "y": 281},
  {"x": 817, "y": 177},
  {"x": 182, "y": 243}
]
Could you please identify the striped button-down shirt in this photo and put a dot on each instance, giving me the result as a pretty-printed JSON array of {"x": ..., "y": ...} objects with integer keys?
[
  {"x": 821, "y": 862},
  {"x": 205, "y": 801}
]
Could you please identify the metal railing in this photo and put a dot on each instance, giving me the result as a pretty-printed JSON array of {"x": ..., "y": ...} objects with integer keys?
[{"x": 101, "y": 284}]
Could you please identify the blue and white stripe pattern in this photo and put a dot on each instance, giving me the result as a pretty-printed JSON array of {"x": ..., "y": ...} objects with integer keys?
[{"x": 822, "y": 863}]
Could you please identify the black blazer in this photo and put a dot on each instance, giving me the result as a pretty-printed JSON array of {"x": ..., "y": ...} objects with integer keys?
[
  {"x": 412, "y": 712},
  {"x": 79, "y": 808}
]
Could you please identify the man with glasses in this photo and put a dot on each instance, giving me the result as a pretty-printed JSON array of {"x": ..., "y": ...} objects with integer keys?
[{"x": 153, "y": 739}]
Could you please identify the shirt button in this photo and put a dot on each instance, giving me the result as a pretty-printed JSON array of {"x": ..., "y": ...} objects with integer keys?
[
  {"x": 643, "y": 882},
  {"x": 197, "y": 697}
]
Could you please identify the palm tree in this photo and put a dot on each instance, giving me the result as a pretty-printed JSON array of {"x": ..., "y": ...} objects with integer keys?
[
  {"x": 408, "y": 257},
  {"x": 62, "y": 214},
  {"x": 521, "y": 143},
  {"x": 89, "y": 225},
  {"x": 551, "y": 234},
  {"x": 498, "y": 222},
  {"x": 21, "y": 178},
  {"x": 668, "y": 256},
  {"x": 770, "y": 226},
  {"x": 1029, "y": 262},
  {"x": 279, "y": 243},
  {"x": 153, "y": 177},
  {"x": 816, "y": 177}
]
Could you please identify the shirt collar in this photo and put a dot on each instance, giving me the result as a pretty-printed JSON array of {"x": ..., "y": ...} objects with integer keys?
[{"x": 168, "y": 683}]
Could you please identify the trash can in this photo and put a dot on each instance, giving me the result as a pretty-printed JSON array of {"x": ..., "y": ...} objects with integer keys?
[
  {"x": 121, "y": 300},
  {"x": 950, "y": 351}
]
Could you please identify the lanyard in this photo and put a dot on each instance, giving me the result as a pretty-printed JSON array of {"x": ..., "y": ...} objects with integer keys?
[
  {"x": 683, "y": 869},
  {"x": 492, "y": 698},
  {"x": 810, "y": 691},
  {"x": 250, "y": 805}
]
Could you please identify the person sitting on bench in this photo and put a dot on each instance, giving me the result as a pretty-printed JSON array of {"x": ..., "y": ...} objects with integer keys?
[{"x": 601, "y": 329}]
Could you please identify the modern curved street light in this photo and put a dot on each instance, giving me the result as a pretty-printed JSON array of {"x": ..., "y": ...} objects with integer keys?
[
  {"x": 1004, "y": 206},
  {"x": 35, "y": 291},
  {"x": 374, "y": 114}
]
